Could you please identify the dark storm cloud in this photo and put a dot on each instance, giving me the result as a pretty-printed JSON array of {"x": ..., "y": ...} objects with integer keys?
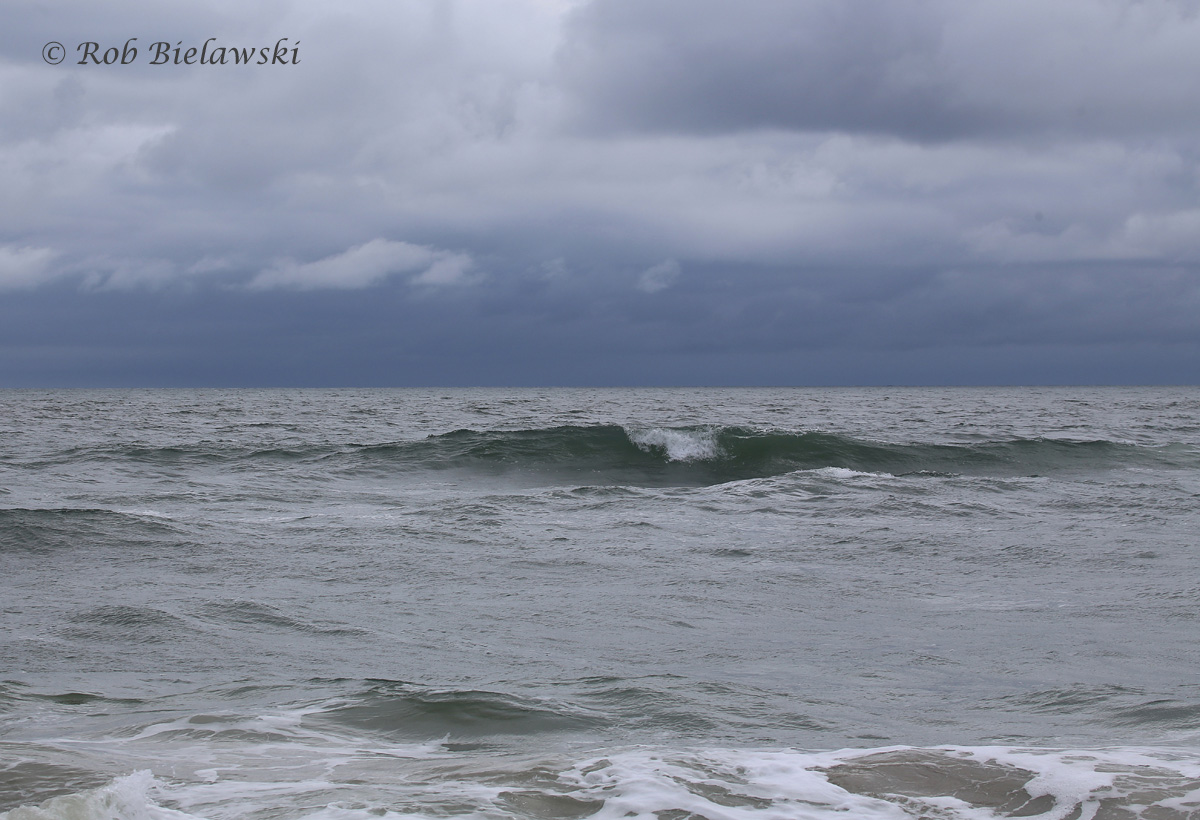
[
  {"x": 715, "y": 66},
  {"x": 727, "y": 326},
  {"x": 523, "y": 191},
  {"x": 925, "y": 70}
]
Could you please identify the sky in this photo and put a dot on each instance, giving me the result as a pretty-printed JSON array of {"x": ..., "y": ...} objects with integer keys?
[{"x": 600, "y": 192}]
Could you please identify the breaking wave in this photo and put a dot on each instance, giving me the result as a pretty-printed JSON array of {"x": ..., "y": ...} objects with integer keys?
[
  {"x": 950, "y": 783},
  {"x": 666, "y": 456}
]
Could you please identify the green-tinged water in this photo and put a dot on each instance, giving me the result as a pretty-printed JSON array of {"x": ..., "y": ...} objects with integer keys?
[{"x": 575, "y": 603}]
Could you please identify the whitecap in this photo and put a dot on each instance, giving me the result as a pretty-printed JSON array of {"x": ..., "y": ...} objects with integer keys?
[
  {"x": 128, "y": 798},
  {"x": 677, "y": 445}
]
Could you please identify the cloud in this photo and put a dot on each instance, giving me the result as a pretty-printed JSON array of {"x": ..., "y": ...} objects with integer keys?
[
  {"x": 1173, "y": 235},
  {"x": 365, "y": 265},
  {"x": 24, "y": 267},
  {"x": 928, "y": 70},
  {"x": 659, "y": 277},
  {"x": 448, "y": 269},
  {"x": 769, "y": 132},
  {"x": 828, "y": 173},
  {"x": 128, "y": 274}
]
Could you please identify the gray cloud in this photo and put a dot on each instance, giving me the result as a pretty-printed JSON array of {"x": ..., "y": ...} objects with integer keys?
[
  {"x": 928, "y": 70},
  {"x": 365, "y": 265},
  {"x": 832, "y": 176},
  {"x": 23, "y": 267},
  {"x": 659, "y": 277}
]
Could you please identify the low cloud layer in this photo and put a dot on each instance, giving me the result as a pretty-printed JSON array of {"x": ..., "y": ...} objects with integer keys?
[
  {"x": 365, "y": 265},
  {"x": 647, "y": 180},
  {"x": 23, "y": 267}
]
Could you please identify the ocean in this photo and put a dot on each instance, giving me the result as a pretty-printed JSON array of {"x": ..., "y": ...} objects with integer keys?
[{"x": 670, "y": 604}]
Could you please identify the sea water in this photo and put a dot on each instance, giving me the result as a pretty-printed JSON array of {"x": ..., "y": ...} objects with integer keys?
[{"x": 554, "y": 603}]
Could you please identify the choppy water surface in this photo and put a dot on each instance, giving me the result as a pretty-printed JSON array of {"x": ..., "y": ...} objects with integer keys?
[{"x": 669, "y": 604}]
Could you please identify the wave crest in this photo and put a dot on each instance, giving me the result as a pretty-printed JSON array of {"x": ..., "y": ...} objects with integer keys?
[
  {"x": 676, "y": 444},
  {"x": 637, "y": 455},
  {"x": 408, "y": 711}
]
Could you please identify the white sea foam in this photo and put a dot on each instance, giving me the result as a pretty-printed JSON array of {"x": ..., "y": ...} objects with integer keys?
[
  {"x": 894, "y": 783},
  {"x": 755, "y": 785},
  {"x": 125, "y": 798},
  {"x": 678, "y": 445},
  {"x": 846, "y": 473},
  {"x": 1163, "y": 777},
  {"x": 721, "y": 785},
  {"x": 146, "y": 514}
]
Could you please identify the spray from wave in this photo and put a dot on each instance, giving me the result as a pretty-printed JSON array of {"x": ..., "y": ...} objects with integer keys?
[
  {"x": 677, "y": 444},
  {"x": 125, "y": 798}
]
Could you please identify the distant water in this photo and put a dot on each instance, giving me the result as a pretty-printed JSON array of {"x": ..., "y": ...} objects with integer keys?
[{"x": 660, "y": 604}]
